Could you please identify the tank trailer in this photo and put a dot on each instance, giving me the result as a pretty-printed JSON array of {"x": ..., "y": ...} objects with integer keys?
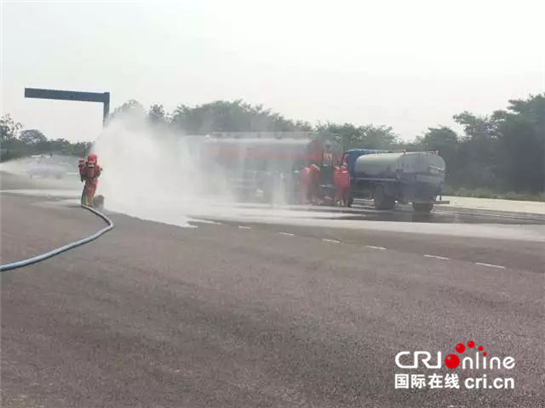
[{"x": 387, "y": 177}]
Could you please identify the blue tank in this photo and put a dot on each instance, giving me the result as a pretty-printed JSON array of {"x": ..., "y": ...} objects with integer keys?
[{"x": 350, "y": 157}]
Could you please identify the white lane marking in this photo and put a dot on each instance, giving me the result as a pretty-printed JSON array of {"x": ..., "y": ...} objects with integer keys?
[
  {"x": 244, "y": 227},
  {"x": 334, "y": 241},
  {"x": 203, "y": 221},
  {"x": 375, "y": 247},
  {"x": 490, "y": 265},
  {"x": 286, "y": 233},
  {"x": 444, "y": 258}
]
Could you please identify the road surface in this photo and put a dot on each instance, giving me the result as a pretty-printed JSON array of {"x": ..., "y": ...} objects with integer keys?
[{"x": 261, "y": 314}]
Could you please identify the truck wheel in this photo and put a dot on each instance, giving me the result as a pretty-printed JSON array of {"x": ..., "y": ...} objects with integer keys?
[
  {"x": 381, "y": 200},
  {"x": 423, "y": 207}
]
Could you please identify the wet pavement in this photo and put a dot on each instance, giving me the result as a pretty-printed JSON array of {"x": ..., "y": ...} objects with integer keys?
[
  {"x": 442, "y": 216},
  {"x": 270, "y": 315},
  {"x": 68, "y": 190},
  {"x": 263, "y": 306}
]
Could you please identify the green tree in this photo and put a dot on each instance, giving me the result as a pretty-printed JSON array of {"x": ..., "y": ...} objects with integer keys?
[
  {"x": 378, "y": 137},
  {"x": 367, "y": 136},
  {"x": 62, "y": 146},
  {"x": 80, "y": 149},
  {"x": 236, "y": 116},
  {"x": 347, "y": 134},
  {"x": 32, "y": 137},
  {"x": 131, "y": 112},
  {"x": 478, "y": 157},
  {"x": 9, "y": 129},
  {"x": 157, "y": 114},
  {"x": 445, "y": 141},
  {"x": 521, "y": 135},
  {"x": 477, "y": 127}
]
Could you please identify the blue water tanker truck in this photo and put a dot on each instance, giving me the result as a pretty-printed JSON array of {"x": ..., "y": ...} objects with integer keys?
[{"x": 387, "y": 177}]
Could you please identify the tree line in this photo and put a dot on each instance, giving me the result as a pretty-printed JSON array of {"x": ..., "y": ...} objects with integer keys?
[
  {"x": 15, "y": 142},
  {"x": 500, "y": 152},
  {"x": 503, "y": 151}
]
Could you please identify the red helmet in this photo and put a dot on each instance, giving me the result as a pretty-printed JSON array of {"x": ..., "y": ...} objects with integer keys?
[{"x": 92, "y": 158}]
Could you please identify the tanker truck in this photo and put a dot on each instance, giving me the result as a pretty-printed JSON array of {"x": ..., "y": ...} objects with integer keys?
[
  {"x": 266, "y": 161},
  {"x": 387, "y": 177}
]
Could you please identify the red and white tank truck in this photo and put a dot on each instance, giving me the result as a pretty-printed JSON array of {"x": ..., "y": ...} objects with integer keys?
[{"x": 268, "y": 163}]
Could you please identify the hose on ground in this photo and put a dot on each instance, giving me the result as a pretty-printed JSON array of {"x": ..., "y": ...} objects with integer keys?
[{"x": 57, "y": 251}]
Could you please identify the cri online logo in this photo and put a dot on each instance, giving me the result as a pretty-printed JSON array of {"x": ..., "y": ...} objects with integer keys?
[
  {"x": 452, "y": 361},
  {"x": 469, "y": 361}
]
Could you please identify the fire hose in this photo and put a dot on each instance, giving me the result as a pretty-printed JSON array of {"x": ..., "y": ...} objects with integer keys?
[{"x": 57, "y": 251}]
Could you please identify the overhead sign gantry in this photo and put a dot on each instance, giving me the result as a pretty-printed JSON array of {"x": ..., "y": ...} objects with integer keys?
[{"x": 102, "y": 97}]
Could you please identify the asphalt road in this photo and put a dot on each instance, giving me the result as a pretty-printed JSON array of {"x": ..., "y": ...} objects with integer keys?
[{"x": 255, "y": 314}]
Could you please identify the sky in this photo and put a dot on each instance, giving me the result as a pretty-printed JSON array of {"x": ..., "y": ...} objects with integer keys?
[{"x": 407, "y": 64}]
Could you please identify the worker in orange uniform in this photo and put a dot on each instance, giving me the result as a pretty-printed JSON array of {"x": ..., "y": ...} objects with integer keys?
[
  {"x": 314, "y": 184},
  {"x": 305, "y": 185},
  {"x": 89, "y": 172},
  {"x": 336, "y": 183},
  {"x": 341, "y": 179}
]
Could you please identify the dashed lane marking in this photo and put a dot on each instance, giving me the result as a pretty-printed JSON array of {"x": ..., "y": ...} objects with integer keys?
[
  {"x": 444, "y": 258},
  {"x": 376, "y": 247},
  {"x": 335, "y": 241},
  {"x": 203, "y": 221},
  {"x": 490, "y": 265}
]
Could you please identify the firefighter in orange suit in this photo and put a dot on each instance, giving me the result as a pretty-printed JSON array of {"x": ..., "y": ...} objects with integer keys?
[
  {"x": 314, "y": 184},
  {"x": 305, "y": 185},
  {"x": 89, "y": 172},
  {"x": 341, "y": 179}
]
